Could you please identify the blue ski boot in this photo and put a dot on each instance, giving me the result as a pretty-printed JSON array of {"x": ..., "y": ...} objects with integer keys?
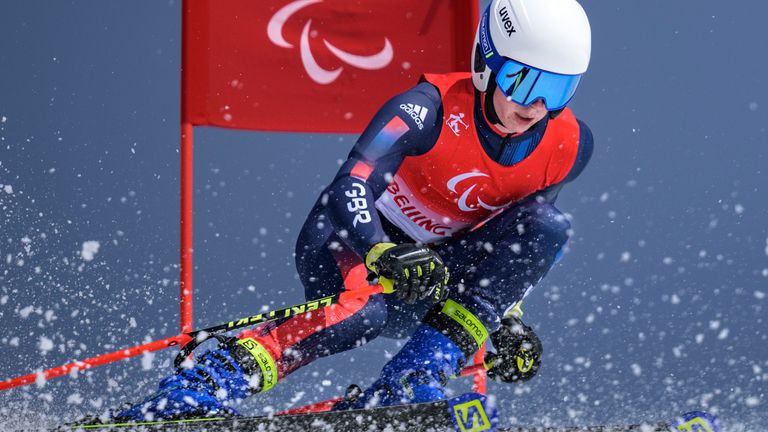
[
  {"x": 447, "y": 337},
  {"x": 418, "y": 373},
  {"x": 218, "y": 378}
]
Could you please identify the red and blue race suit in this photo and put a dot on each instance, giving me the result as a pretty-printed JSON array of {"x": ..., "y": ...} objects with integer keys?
[{"x": 430, "y": 168}]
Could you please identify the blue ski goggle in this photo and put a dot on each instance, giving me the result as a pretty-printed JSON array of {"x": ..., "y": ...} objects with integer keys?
[{"x": 524, "y": 84}]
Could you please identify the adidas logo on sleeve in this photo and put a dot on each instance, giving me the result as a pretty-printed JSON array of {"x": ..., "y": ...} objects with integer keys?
[{"x": 417, "y": 112}]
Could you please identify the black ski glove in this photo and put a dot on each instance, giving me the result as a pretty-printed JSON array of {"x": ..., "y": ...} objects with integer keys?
[
  {"x": 413, "y": 272},
  {"x": 518, "y": 355}
]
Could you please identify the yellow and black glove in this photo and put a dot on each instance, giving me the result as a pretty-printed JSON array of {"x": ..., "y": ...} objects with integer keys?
[
  {"x": 518, "y": 351},
  {"x": 413, "y": 272}
]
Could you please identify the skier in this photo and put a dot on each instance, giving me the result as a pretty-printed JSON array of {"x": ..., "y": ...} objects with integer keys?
[{"x": 458, "y": 173}]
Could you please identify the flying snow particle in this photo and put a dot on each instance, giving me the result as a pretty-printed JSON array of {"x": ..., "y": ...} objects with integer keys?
[
  {"x": 4, "y": 119},
  {"x": 24, "y": 312},
  {"x": 9, "y": 190},
  {"x": 625, "y": 256},
  {"x": 752, "y": 107},
  {"x": 766, "y": 246},
  {"x": 297, "y": 396},
  {"x": 146, "y": 360},
  {"x": 677, "y": 351},
  {"x": 636, "y": 369},
  {"x": 752, "y": 401},
  {"x": 40, "y": 379},
  {"x": 45, "y": 344},
  {"x": 759, "y": 295},
  {"x": 74, "y": 399},
  {"x": 90, "y": 249},
  {"x": 188, "y": 364},
  {"x": 738, "y": 208},
  {"x": 190, "y": 401}
]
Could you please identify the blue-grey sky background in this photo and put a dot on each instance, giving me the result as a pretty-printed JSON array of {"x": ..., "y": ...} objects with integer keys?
[{"x": 659, "y": 308}]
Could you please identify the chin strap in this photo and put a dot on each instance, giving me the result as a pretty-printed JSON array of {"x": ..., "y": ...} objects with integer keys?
[
  {"x": 490, "y": 110},
  {"x": 553, "y": 114}
]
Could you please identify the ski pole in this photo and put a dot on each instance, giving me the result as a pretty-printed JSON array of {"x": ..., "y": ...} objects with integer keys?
[{"x": 199, "y": 336}]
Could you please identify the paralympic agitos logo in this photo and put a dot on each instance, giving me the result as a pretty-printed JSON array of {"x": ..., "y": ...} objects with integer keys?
[
  {"x": 316, "y": 72},
  {"x": 468, "y": 188}
]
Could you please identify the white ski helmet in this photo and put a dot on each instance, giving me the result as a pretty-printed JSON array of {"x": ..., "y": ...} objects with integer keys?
[{"x": 535, "y": 49}]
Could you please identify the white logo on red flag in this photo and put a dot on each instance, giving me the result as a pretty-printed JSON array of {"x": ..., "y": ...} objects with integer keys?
[{"x": 317, "y": 73}]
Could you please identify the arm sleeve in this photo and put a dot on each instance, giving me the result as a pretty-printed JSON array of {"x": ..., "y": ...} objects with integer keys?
[
  {"x": 586, "y": 146},
  {"x": 407, "y": 125},
  {"x": 583, "y": 155}
]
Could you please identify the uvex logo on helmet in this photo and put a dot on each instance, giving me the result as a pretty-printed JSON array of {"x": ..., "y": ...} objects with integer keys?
[
  {"x": 506, "y": 21},
  {"x": 316, "y": 72}
]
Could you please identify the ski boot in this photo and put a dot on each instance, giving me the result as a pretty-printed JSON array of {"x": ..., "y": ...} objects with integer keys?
[
  {"x": 418, "y": 373},
  {"x": 218, "y": 378}
]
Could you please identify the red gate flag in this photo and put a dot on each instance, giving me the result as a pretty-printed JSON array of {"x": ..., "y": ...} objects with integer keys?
[{"x": 314, "y": 65}]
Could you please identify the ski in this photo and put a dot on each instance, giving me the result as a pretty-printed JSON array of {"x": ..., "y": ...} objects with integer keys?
[
  {"x": 464, "y": 413},
  {"x": 694, "y": 421}
]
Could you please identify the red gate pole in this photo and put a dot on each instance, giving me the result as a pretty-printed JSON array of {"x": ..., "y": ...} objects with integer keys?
[
  {"x": 185, "y": 295},
  {"x": 480, "y": 379},
  {"x": 186, "y": 180}
]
